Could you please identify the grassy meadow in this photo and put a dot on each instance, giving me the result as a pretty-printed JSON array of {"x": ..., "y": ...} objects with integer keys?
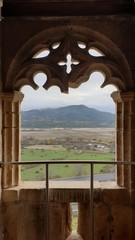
[{"x": 37, "y": 172}]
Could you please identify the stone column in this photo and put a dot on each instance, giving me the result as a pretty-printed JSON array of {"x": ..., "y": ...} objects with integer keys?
[
  {"x": 10, "y": 128},
  {"x": 125, "y": 137}
]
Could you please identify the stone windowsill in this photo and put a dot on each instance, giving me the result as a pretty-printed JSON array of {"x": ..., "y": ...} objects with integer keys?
[
  {"x": 65, "y": 185},
  {"x": 64, "y": 191}
]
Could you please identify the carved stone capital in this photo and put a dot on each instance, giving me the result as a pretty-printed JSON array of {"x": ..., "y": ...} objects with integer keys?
[
  {"x": 123, "y": 96},
  {"x": 12, "y": 97}
]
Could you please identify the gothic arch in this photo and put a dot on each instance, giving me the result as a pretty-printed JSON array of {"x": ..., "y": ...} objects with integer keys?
[{"x": 59, "y": 42}]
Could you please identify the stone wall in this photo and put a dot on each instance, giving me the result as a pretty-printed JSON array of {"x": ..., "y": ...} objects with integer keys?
[{"x": 25, "y": 212}]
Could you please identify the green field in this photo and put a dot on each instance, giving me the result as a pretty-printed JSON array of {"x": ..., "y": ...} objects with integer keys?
[{"x": 37, "y": 172}]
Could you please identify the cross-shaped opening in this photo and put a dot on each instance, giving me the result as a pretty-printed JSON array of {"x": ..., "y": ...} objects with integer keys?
[{"x": 69, "y": 62}]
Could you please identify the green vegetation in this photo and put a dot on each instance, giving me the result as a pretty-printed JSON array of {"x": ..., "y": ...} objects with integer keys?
[
  {"x": 74, "y": 222},
  {"x": 37, "y": 172}
]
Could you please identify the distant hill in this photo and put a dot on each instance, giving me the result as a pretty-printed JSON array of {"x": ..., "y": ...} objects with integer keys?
[{"x": 74, "y": 116}]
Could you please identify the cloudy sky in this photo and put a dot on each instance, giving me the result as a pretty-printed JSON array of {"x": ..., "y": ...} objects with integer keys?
[{"x": 89, "y": 94}]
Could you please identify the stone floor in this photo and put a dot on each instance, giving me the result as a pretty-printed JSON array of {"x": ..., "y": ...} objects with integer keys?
[{"x": 74, "y": 236}]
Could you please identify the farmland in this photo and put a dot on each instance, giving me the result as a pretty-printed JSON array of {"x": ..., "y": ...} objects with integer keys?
[{"x": 65, "y": 144}]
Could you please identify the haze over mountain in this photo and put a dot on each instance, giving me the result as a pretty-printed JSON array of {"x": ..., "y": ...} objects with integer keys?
[{"x": 74, "y": 116}]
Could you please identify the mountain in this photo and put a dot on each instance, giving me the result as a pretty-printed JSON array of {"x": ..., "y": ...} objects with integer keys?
[{"x": 74, "y": 116}]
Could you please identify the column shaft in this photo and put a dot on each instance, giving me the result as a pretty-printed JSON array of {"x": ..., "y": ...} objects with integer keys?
[
  {"x": 10, "y": 112},
  {"x": 125, "y": 135}
]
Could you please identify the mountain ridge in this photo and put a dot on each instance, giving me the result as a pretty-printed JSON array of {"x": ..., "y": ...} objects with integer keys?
[{"x": 77, "y": 116}]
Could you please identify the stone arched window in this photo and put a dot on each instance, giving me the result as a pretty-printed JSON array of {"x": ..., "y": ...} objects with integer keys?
[{"x": 71, "y": 46}]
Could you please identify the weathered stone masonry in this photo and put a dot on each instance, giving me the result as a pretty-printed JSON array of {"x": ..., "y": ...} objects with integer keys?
[{"x": 27, "y": 28}]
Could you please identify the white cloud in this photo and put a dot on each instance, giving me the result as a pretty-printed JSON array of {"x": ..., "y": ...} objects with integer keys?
[{"x": 89, "y": 94}]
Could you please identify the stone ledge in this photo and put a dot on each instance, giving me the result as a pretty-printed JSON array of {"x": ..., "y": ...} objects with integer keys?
[
  {"x": 61, "y": 191},
  {"x": 65, "y": 185}
]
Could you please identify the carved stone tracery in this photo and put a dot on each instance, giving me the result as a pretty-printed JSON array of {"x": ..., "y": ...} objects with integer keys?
[{"x": 67, "y": 60}]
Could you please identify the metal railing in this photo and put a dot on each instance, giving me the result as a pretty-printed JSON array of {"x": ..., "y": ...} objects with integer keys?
[{"x": 91, "y": 164}]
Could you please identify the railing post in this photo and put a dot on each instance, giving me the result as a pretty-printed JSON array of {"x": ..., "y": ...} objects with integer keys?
[
  {"x": 47, "y": 205},
  {"x": 91, "y": 202}
]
